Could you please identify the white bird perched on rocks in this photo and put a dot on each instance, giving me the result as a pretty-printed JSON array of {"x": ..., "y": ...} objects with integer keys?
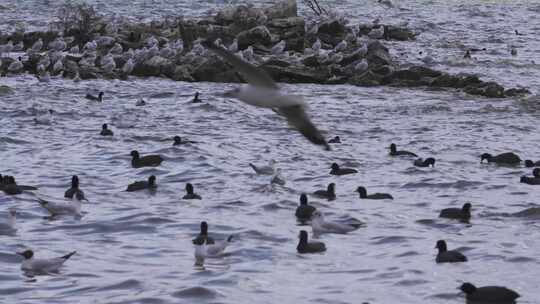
[
  {"x": 88, "y": 61},
  {"x": 128, "y": 67},
  {"x": 90, "y": 46},
  {"x": 103, "y": 41},
  {"x": 313, "y": 30},
  {"x": 317, "y": 46},
  {"x": 44, "y": 61},
  {"x": 109, "y": 66},
  {"x": 340, "y": 47},
  {"x": 178, "y": 46},
  {"x": 46, "y": 77},
  {"x": 6, "y": 48},
  {"x": 362, "y": 51},
  {"x": 106, "y": 59},
  {"x": 77, "y": 77},
  {"x": 37, "y": 46},
  {"x": 58, "y": 66},
  {"x": 248, "y": 53},
  {"x": 16, "y": 65},
  {"x": 8, "y": 224},
  {"x": 321, "y": 226},
  {"x": 335, "y": 57},
  {"x": 57, "y": 44},
  {"x": 233, "y": 48},
  {"x": 361, "y": 66},
  {"x": 74, "y": 50},
  {"x": 128, "y": 55},
  {"x": 42, "y": 266},
  {"x": 376, "y": 32},
  {"x": 151, "y": 41},
  {"x": 116, "y": 49},
  {"x": 55, "y": 56},
  {"x": 198, "y": 49},
  {"x": 262, "y": 91},
  {"x": 167, "y": 52},
  {"x": 140, "y": 55},
  {"x": 153, "y": 51},
  {"x": 278, "y": 48}
]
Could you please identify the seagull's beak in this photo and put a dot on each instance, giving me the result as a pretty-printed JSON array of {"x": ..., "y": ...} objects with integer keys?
[{"x": 20, "y": 253}]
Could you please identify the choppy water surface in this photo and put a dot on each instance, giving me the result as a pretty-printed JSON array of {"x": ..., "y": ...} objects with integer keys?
[{"x": 136, "y": 247}]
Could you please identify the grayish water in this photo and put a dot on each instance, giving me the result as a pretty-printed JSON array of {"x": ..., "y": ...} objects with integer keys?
[{"x": 136, "y": 247}]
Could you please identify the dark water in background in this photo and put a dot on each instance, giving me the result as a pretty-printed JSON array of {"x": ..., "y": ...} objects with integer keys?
[{"x": 135, "y": 247}]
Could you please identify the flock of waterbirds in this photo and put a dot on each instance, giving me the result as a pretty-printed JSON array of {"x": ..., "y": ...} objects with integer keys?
[{"x": 293, "y": 109}]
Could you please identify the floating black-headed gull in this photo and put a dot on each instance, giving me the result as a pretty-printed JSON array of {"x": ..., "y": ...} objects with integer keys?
[
  {"x": 201, "y": 250},
  {"x": 9, "y": 223},
  {"x": 262, "y": 91},
  {"x": 42, "y": 266},
  {"x": 265, "y": 170},
  {"x": 74, "y": 189},
  {"x": 277, "y": 178},
  {"x": 217, "y": 249},
  {"x": 320, "y": 226},
  {"x": 68, "y": 207}
]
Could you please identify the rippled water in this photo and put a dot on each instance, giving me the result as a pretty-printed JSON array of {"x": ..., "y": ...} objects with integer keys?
[{"x": 136, "y": 247}]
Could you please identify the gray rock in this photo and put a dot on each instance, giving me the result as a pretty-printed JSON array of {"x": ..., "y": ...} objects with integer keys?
[
  {"x": 291, "y": 29},
  {"x": 283, "y": 9},
  {"x": 378, "y": 54},
  {"x": 256, "y": 35}
]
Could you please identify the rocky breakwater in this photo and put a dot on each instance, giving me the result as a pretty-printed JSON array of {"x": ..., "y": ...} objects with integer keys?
[{"x": 326, "y": 51}]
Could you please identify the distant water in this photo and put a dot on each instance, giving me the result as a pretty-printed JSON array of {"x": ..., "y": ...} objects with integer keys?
[{"x": 136, "y": 247}]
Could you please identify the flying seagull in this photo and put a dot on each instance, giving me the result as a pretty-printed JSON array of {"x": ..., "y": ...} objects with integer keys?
[{"x": 261, "y": 84}]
